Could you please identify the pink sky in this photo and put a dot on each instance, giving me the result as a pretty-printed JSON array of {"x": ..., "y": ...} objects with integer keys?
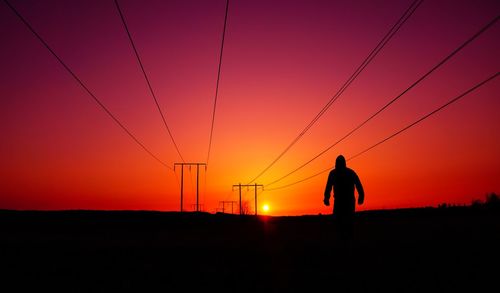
[{"x": 282, "y": 62}]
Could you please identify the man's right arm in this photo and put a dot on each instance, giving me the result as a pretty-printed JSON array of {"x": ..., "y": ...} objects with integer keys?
[{"x": 328, "y": 189}]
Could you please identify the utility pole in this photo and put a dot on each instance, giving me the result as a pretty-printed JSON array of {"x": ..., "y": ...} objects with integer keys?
[
  {"x": 255, "y": 186},
  {"x": 224, "y": 202},
  {"x": 195, "y": 206},
  {"x": 239, "y": 185},
  {"x": 197, "y": 180}
]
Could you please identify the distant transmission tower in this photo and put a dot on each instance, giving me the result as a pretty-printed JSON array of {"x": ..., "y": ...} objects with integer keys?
[
  {"x": 228, "y": 202},
  {"x": 255, "y": 186}
]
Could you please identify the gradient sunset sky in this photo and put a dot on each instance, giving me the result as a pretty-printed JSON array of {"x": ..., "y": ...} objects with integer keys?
[{"x": 282, "y": 62}]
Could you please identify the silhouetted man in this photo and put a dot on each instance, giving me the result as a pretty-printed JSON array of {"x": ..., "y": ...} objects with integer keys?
[{"x": 343, "y": 180}]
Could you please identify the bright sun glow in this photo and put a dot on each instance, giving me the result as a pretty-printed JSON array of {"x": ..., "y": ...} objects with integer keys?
[{"x": 265, "y": 207}]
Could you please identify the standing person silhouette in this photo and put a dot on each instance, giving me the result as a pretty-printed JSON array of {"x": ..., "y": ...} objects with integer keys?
[{"x": 343, "y": 180}]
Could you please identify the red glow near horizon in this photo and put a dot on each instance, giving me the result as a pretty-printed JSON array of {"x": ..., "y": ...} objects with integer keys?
[{"x": 283, "y": 61}]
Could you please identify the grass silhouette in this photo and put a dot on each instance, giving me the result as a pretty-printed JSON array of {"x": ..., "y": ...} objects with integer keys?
[{"x": 407, "y": 250}]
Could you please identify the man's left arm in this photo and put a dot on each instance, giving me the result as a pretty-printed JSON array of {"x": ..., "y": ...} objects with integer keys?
[{"x": 359, "y": 187}]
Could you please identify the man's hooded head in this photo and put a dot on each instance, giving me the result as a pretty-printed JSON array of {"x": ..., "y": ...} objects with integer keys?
[{"x": 340, "y": 162}]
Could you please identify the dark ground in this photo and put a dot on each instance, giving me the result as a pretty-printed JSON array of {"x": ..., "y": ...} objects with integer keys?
[{"x": 414, "y": 250}]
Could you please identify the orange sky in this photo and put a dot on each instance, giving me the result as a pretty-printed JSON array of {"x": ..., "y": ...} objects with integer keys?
[{"x": 282, "y": 62}]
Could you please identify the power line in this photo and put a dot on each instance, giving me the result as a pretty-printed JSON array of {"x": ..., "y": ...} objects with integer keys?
[
  {"x": 147, "y": 79},
  {"x": 395, "y": 28},
  {"x": 442, "y": 62},
  {"x": 83, "y": 85},
  {"x": 428, "y": 115},
  {"x": 217, "y": 83},
  {"x": 399, "y": 131}
]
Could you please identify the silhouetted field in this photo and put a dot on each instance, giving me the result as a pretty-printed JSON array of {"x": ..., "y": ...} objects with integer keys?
[{"x": 414, "y": 250}]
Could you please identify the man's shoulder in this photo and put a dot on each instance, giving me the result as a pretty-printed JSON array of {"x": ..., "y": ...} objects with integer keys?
[
  {"x": 342, "y": 171},
  {"x": 351, "y": 171}
]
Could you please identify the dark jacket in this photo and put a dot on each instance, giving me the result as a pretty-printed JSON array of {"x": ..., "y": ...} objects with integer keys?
[{"x": 343, "y": 180}]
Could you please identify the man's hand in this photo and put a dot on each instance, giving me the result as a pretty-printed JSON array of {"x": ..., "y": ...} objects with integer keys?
[
  {"x": 326, "y": 202},
  {"x": 360, "y": 200}
]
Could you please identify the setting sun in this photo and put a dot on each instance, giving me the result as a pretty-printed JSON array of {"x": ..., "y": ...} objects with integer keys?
[{"x": 265, "y": 208}]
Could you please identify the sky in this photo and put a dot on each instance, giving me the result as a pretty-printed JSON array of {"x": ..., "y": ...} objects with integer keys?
[{"x": 282, "y": 62}]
